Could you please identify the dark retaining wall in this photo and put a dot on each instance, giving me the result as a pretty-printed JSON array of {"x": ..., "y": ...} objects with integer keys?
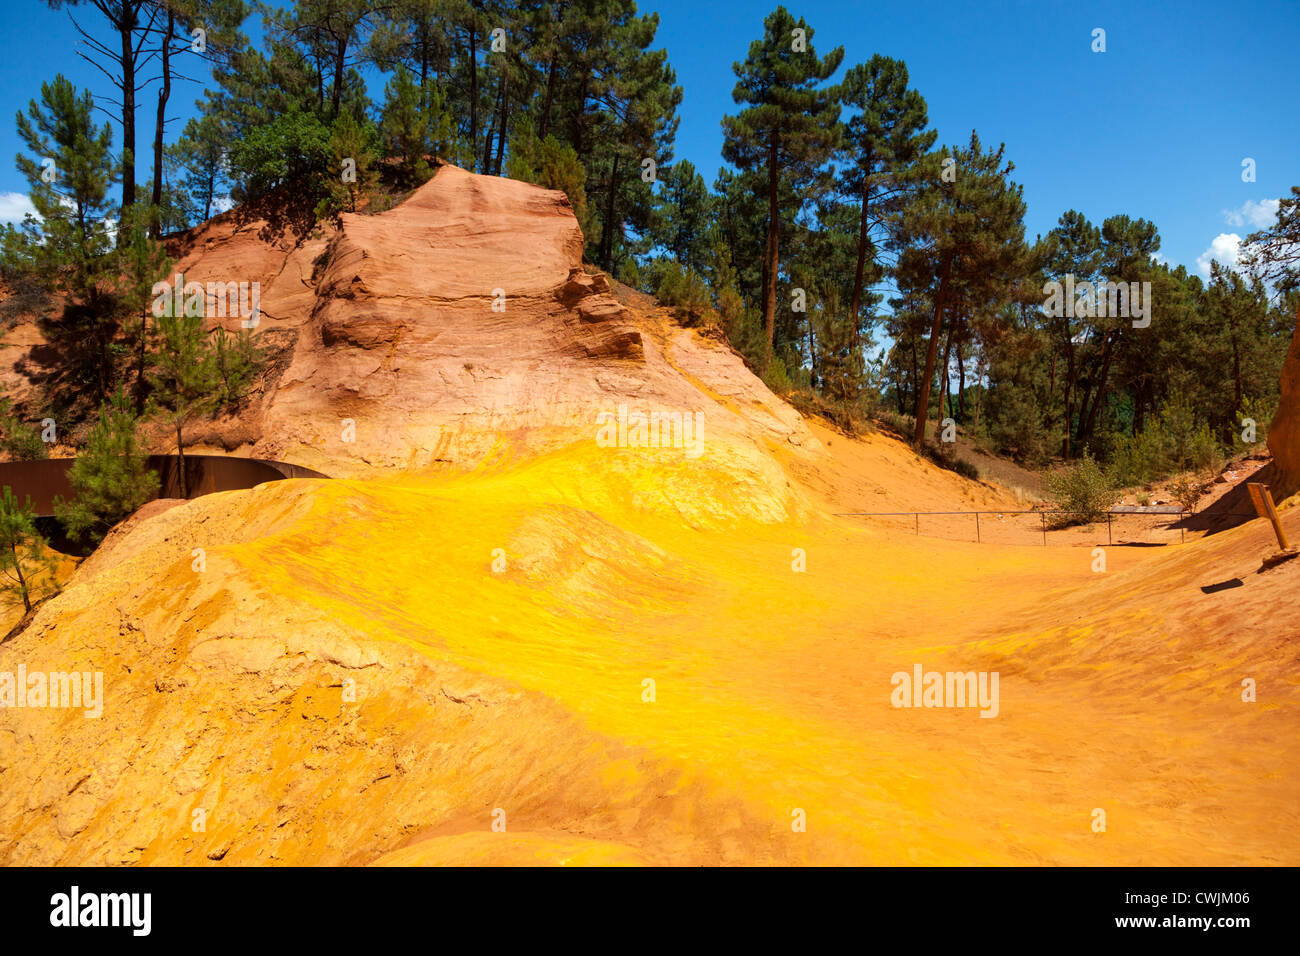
[
  {"x": 46, "y": 480},
  {"x": 43, "y": 481}
]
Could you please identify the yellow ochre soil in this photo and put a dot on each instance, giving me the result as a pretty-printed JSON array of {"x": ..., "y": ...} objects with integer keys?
[{"x": 351, "y": 681}]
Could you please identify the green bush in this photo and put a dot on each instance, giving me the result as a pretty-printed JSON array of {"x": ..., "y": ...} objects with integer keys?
[
  {"x": 21, "y": 440},
  {"x": 292, "y": 148},
  {"x": 945, "y": 457},
  {"x": 1171, "y": 442},
  {"x": 675, "y": 285},
  {"x": 1261, "y": 411},
  {"x": 1085, "y": 490},
  {"x": 109, "y": 476},
  {"x": 776, "y": 377},
  {"x": 553, "y": 165},
  {"x": 1015, "y": 425},
  {"x": 1187, "y": 491},
  {"x": 237, "y": 360}
]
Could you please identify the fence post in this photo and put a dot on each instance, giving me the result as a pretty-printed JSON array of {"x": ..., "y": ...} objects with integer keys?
[
  {"x": 977, "y": 527},
  {"x": 917, "y": 516},
  {"x": 1109, "y": 539},
  {"x": 1043, "y": 515}
]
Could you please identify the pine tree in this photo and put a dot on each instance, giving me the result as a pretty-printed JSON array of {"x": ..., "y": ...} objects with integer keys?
[
  {"x": 109, "y": 477},
  {"x": 962, "y": 236},
  {"x": 237, "y": 359},
  {"x": 1072, "y": 248},
  {"x": 683, "y": 215},
  {"x": 413, "y": 124},
  {"x": 788, "y": 128},
  {"x": 120, "y": 61},
  {"x": 172, "y": 24},
  {"x": 886, "y": 135},
  {"x": 352, "y": 173},
  {"x": 27, "y": 569},
  {"x": 70, "y": 170},
  {"x": 200, "y": 157},
  {"x": 143, "y": 262},
  {"x": 184, "y": 377}
]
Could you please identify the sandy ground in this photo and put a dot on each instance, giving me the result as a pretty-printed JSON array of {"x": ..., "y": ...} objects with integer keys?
[{"x": 518, "y": 694}]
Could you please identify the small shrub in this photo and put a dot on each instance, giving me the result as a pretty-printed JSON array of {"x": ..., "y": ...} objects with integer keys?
[
  {"x": 1084, "y": 490},
  {"x": 677, "y": 286},
  {"x": 237, "y": 359},
  {"x": 947, "y": 459},
  {"x": 1187, "y": 491},
  {"x": 776, "y": 377},
  {"x": 21, "y": 440},
  {"x": 1261, "y": 412}
]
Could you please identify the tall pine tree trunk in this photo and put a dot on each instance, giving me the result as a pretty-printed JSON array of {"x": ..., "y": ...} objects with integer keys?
[
  {"x": 931, "y": 354},
  {"x": 340, "y": 57},
  {"x": 473, "y": 95},
  {"x": 772, "y": 253},
  {"x": 126, "y": 27},
  {"x": 607, "y": 229},
  {"x": 961, "y": 385},
  {"x": 487, "y": 140},
  {"x": 578, "y": 114},
  {"x": 945, "y": 410},
  {"x": 859, "y": 272},
  {"x": 180, "y": 460},
  {"x": 550, "y": 97},
  {"x": 505, "y": 121},
  {"x": 1086, "y": 424},
  {"x": 155, "y": 227}
]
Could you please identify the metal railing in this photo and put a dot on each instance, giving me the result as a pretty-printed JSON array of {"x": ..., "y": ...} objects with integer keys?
[{"x": 1125, "y": 511}]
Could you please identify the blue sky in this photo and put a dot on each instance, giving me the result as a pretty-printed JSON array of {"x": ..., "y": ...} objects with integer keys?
[{"x": 1157, "y": 126}]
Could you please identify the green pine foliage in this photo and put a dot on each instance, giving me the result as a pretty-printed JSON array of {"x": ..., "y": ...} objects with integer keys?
[
  {"x": 787, "y": 129},
  {"x": 184, "y": 377},
  {"x": 109, "y": 478},
  {"x": 549, "y": 163},
  {"x": 28, "y": 570},
  {"x": 237, "y": 360},
  {"x": 20, "y": 440}
]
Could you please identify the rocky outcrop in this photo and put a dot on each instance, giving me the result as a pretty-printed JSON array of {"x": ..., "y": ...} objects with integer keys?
[
  {"x": 1284, "y": 432},
  {"x": 454, "y": 325}
]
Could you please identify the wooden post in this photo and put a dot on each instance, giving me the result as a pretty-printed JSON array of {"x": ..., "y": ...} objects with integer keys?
[
  {"x": 977, "y": 527},
  {"x": 1263, "y": 501}
]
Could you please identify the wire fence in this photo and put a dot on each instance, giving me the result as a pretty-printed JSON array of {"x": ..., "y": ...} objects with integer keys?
[{"x": 1160, "y": 522}]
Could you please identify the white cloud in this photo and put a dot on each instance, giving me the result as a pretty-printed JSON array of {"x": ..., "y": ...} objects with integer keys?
[
  {"x": 1256, "y": 214},
  {"x": 14, "y": 206},
  {"x": 1224, "y": 249}
]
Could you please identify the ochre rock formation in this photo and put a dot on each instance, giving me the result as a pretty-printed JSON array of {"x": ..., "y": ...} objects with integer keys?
[
  {"x": 461, "y": 322},
  {"x": 1284, "y": 432}
]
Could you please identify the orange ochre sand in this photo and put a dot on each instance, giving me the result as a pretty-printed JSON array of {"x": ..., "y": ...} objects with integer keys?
[{"x": 616, "y": 656}]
